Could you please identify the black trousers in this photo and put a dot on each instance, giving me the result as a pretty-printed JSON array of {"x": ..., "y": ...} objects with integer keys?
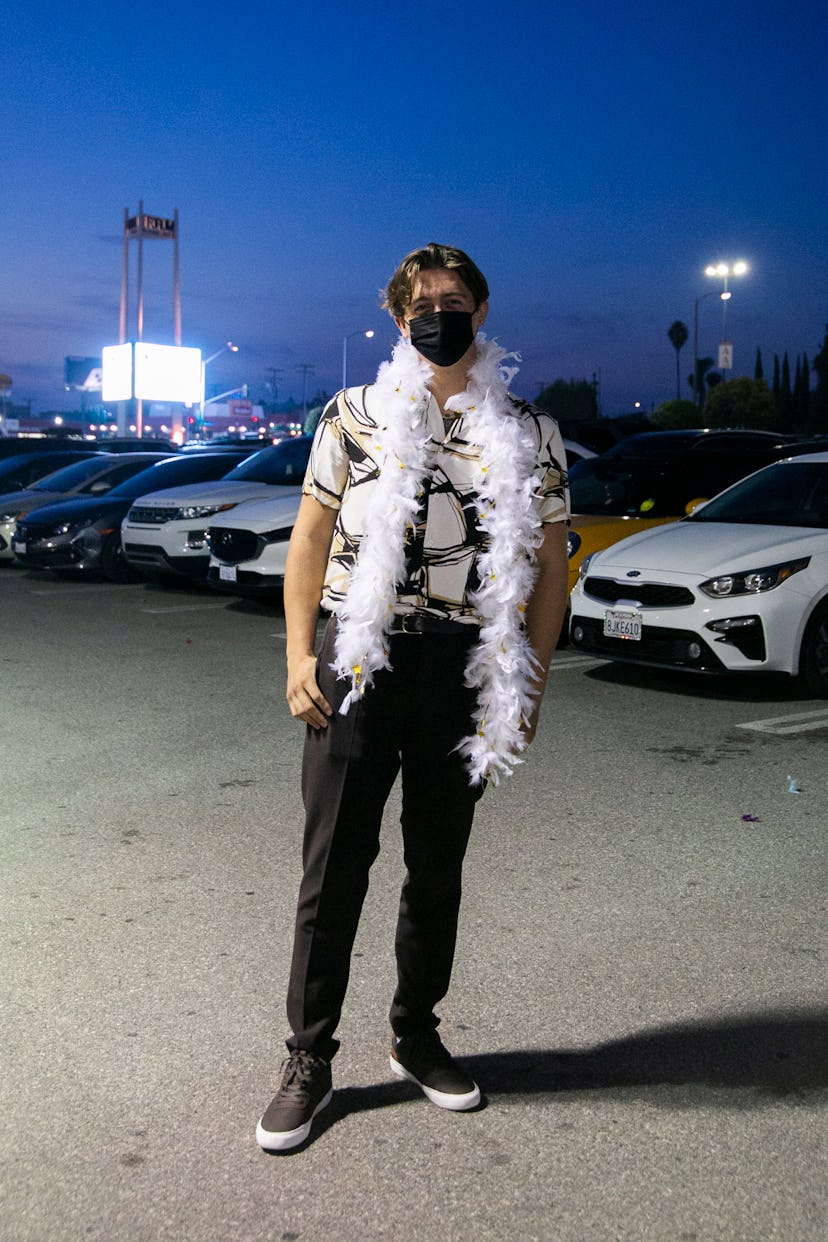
[{"x": 409, "y": 720}]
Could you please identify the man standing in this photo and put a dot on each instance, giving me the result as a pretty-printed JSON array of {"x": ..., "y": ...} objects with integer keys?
[{"x": 432, "y": 528}]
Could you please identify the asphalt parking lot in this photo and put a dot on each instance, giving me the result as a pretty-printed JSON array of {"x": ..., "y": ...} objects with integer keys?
[{"x": 640, "y": 986}]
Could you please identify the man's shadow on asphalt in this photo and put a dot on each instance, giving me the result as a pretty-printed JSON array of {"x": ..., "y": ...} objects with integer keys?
[{"x": 741, "y": 1062}]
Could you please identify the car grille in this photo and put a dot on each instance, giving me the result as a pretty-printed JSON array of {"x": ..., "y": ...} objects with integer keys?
[
  {"x": 646, "y": 594},
  {"x": 31, "y": 531},
  {"x": 146, "y": 515},
  {"x": 656, "y": 646},
  {"x": 144, "y": 551},
  {"x": 234, "y": 546}
]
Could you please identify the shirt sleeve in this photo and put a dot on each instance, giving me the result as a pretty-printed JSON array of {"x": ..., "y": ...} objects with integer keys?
[
  {"x": 327, "y": 474},
  {"x": 553, "y": 488}
]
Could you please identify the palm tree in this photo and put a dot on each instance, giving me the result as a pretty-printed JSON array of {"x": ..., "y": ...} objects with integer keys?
[
  {"x": 678, "y": 334},
  {"x": 704, "y": 378}
]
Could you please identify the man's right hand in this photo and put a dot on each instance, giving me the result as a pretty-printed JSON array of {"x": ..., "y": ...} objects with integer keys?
[
  {"x": 305, "y": 699},
  {"x": 304, "y": 576}
]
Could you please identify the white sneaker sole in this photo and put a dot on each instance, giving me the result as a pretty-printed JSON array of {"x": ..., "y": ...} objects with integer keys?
[
  {"x": 283, "y": 1140},
  {"x": 443, "y": 1099}
]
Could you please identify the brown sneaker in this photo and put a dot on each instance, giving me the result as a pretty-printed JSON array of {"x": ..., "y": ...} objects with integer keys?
[
  {"x": 306, "y": 1089},
  {"x": 423, "y": 1059}
]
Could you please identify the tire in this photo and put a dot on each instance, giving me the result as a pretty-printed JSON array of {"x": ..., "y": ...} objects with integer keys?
[
  {"x": 813, "y": 656},
  {"x": 114, "y": 564}
]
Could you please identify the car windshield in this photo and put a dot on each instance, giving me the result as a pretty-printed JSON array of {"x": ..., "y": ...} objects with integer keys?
[
  {"x": 26, "y": 465},
  {"x": 652, "y": 443},
  {"x": 786, "y": 494},
  {"x": 69, "y": 477},
  {"x": 280, "y": 463},
  {"x": 662, "y": 443},
  {"x": 633, "y": 488},
  {"x": 174, "y": 473}
]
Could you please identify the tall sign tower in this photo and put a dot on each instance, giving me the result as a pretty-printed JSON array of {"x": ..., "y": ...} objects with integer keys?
[{"x": 141, "y": 228}]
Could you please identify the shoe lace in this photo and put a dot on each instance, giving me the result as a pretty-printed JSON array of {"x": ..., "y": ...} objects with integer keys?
[{"x": 298, "y": 1071}]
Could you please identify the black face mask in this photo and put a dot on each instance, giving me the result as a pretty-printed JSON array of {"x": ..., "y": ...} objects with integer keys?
[{"x": 442, "y": 337}]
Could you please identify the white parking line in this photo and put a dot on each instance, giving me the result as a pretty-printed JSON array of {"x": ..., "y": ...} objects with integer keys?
[
  {"x": 84, "y": 590},
  {"x": 187, "y": 608},
  {"x": 560, "y": 663},
  {"x": 797, "y": 722}
]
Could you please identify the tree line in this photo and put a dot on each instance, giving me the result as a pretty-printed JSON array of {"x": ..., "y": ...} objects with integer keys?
[{"x": 788, "y": 404}]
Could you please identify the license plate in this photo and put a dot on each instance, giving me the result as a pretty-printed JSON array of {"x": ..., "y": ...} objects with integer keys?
[
  {"x": 227, "y": 573},
  {"x": 618, "y": 624},
  {"x": 19, "y": 545}
]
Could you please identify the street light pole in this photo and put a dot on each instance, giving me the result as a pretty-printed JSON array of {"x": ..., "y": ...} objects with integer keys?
[
  {"x": 234, "y": 349},
  {"x": 306, "y": 369},
  {"x": 723, "y": 271},
  {"x": 697, "y": 388},
  {"x": 367, "y": 334}
]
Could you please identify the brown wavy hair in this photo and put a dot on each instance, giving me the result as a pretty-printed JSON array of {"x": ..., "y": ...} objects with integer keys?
[{"x": 398, "y": 294}]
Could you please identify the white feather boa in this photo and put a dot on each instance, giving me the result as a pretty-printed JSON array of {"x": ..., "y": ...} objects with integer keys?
[{"x": 501, "y": 664}]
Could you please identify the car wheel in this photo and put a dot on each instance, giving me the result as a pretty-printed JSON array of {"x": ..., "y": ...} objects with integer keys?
[
  {"x": 813, "y": 657},
  {"x": 114, "y": 564}
]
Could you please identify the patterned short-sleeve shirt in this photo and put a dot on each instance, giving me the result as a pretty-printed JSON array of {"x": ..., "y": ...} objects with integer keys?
[{"x": 442, "y": 550}]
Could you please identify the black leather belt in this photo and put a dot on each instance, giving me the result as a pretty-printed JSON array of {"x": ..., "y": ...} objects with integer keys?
[{"x": 421, "y": 623}]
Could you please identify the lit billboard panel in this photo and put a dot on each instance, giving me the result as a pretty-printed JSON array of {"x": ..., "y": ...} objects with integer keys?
[
  {"x": 82, "y": 374},
  {"x": 167, "y": 373},
  {"x": 117, "y": 372}
]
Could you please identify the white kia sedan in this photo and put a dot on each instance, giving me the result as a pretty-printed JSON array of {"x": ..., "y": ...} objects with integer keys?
[{"x": 741, "y": 585}]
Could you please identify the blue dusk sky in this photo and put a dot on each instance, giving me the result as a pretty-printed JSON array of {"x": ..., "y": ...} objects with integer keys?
[{"x": 592, "y": 158}]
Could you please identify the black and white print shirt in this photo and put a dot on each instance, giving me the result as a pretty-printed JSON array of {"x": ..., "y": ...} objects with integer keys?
[{"x": 442, "y": 550}]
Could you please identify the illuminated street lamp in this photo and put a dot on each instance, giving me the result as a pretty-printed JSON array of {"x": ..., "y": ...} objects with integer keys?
[
  {"x": 228, "y": 345},
  {"x": 722, "y": 271},
  {"x": 368, "y": 334},
  {"x": 234, "y": 349}
]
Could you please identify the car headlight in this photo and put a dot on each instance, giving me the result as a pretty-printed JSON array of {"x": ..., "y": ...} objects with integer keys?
[
  {"x": 583, "y": 568},
  {"x": 71, "y": 528},
  {"x": 752, "y": 581},
  {"x": 191, "y": 512},
  {"x": 573, "y": 543}
]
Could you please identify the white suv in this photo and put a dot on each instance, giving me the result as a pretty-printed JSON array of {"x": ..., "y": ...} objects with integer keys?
[
  {"x": 249, "y": 546},
  {"x": 165, "y": 533}
]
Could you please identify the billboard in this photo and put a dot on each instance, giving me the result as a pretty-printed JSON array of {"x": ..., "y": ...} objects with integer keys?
[
  {"x": 117, "y": 372},
  {"x": 167, "y": 373},
  {"x": 82, "y": 374},
  {"x": 143, "y": 225}
]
